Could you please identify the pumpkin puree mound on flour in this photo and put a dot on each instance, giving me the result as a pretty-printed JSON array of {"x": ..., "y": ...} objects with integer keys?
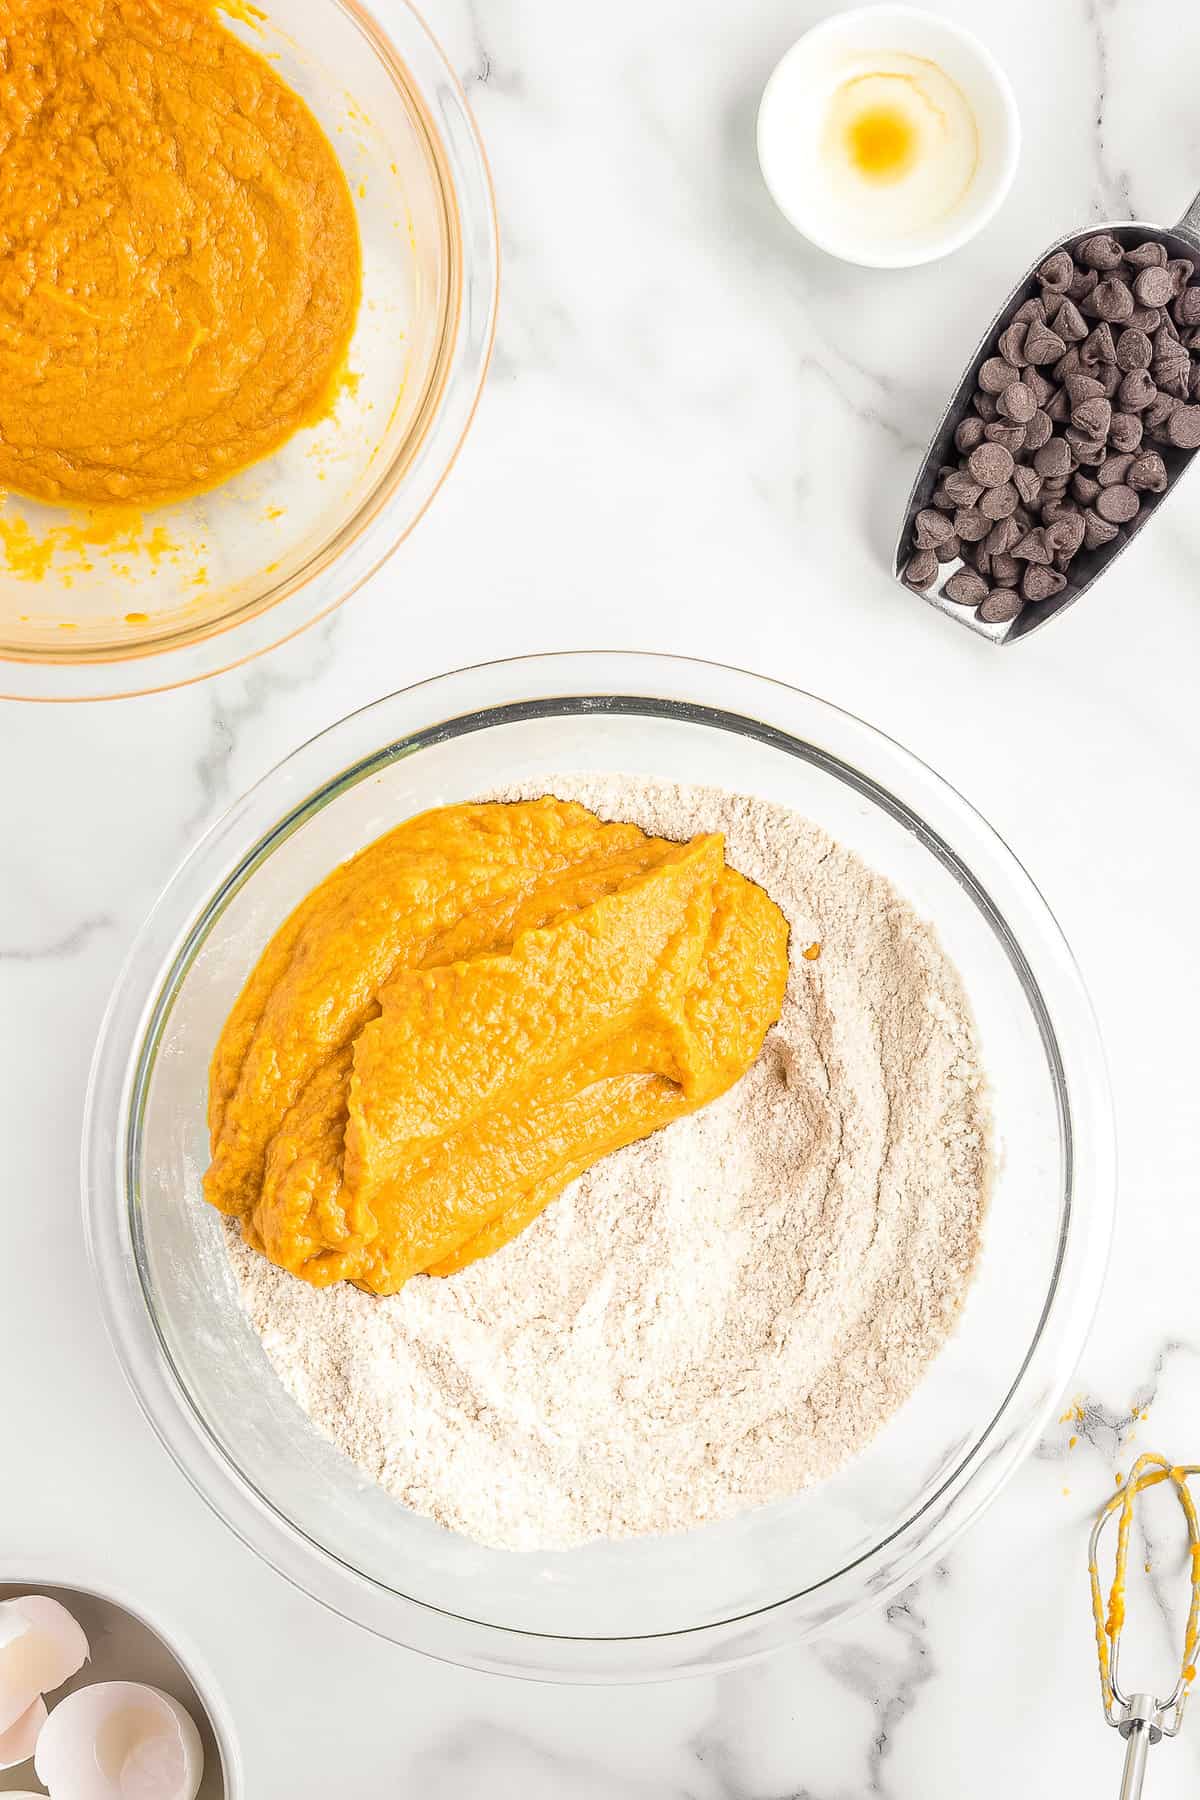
[
  {"x": 180, "y": 266},
  {"x": 466, "y": 1016}
]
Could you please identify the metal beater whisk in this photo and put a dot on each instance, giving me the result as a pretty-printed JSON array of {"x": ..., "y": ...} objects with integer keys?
[{"x": 1142, "y": 1719}]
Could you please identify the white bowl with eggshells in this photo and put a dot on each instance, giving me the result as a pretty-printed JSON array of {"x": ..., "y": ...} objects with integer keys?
[
  {"x": 888, "y": 136},
  {"x": 170, "y": 1728},
  {"x": 650, "y": 1602}
]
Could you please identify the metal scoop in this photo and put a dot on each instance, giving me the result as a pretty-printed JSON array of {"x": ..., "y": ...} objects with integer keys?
[
  {"x": 1181, "y": 240},
  {"x": 1142, "y": 1719}
]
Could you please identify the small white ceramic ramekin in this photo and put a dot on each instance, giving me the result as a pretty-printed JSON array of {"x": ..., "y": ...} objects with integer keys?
[{"x": 786, "y": 165}]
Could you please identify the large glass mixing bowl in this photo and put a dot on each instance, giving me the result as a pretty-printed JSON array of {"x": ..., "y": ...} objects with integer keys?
[
  {"x": 650, "y": 1606},
  {"x": 96, "y": 603}
]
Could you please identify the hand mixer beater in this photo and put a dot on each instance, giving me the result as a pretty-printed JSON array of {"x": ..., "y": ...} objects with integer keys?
[{"x": 1141, "y": 1718}]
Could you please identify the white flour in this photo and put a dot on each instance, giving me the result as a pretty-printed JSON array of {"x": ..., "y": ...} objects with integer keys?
[{"x": 720, "y": 1315}]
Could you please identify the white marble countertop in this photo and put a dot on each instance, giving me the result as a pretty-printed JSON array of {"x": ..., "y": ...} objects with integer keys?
[{"x": 696, "y": 437}]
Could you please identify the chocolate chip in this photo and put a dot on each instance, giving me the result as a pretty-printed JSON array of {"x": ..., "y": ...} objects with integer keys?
[
  {"x": 1033, "y": 547},
  {"x": 1134, "y": 350},
  {"x": 1181, "y": 270},
  {"x": 1118, "y": 504},
  {"x": 1054, "y": 458},
  {"x": 920, "y": 571},
  {"x": 996, "y": 375},
  {"x": 1057, "y": 272},
  {"x": 1030, "y": 310},
  {"x": 1003, "y": 535},
  {"x": 971, "y": 525},
  {"x": 1100, "y": 252},
  {"x": 1041, "y": 584},
  {"x": 1061, "y": 508},
  {"x": 1069, "y": 363},
  {"x": 1064, "y": 533},
  {"x": 966, "y": 589},
  {"x": 1085, "y": 488},
  {"x": 1111, "y": 300},
  {"x": 1001, "y": 605},
  {"x": 999, "y": 502},
  {"x": 1042, "y": 345},
  {"x": 1150, "y": 255},
  {"x": 1136, "y": 391},
  {"x": 961, "y": 489},
  {"x": 1017, "y": 403},
  {"x": 985, "y": 405},
  {"x": 1154, "y": 287},
  {"x": 1145, "y": 318},
  {"x": 1039, "y": 387},
  {"x": 1157, "y": 414},
  {"x": 979, "y": 560},
  {"x": 1058, "y": 406},
  {"x": 1173, "y": 376},
  {"x": 931, "y": 528},
  {"x": 1011, "y": 436},
  {"x": 1011, "y": 344},
  {"x": 1115, "y": 469},
  {"x": 1087, "y": 450},
  {"x": 1186, "y": 310},
  {"x": 1148, "y": 473},
  {"x": 1083, "y": 387},
  {"x": 950, "y": 551},
  {"x": 1096, "y": 531},
  {"x": 1194, "y": 382},
  {"x": 990, "y": 464},
  {"x": 1083, "y": 284},
  {"x": 1028, "y": 484},
  {"x": 967, "y": 433},
  {"x": 1039, "y": 430},
  {"x": 1183, "y": 428},
  {"x": 1006, "y": 570},
  {"x": 1098, "y": 346},
  {"x": 1092, "y": 418},
  {"x": 1070, "y": 323},
  {"x": 1166, "y": 339}
]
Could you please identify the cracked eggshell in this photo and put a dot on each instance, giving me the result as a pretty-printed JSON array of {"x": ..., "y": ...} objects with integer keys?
[
  {"x": 41, "y": 1646},
  {"x": 119, "y": 1740},
  {"x": 19, "y": 1742}
]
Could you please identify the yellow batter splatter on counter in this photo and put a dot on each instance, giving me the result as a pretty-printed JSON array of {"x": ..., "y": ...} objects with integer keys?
[
  {"x": 179, "y": 256},
  {"x": 466, "y": 1016}
]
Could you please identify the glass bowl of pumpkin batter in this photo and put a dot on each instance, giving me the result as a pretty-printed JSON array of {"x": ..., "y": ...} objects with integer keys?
[
  {"x": 102, "y": 599},
  {"x": 636, "y": 1607}
]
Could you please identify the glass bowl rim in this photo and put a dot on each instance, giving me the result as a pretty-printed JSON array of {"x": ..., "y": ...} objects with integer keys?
[
  {"x": 128, "y": 1038},
  {"x": 211, "y": 646}
]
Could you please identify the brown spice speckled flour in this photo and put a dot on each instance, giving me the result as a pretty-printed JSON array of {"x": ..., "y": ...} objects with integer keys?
[{"x": 715, "y": 1317}]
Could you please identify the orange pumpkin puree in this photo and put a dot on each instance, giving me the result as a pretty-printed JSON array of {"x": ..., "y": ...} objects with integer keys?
[
  {"x": 463, "y": 1018},
  {"x": 179, "y": 255}
]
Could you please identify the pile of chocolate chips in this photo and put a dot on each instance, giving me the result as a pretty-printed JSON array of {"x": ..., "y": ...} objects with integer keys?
[{"x": 1056, "y": 452}]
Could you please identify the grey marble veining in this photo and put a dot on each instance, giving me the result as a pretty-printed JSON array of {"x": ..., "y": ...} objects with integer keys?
[{"x": 697, "y": 436}]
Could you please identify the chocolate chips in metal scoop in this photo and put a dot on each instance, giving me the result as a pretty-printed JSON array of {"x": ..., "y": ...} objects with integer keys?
[{"x": 1087, "y": 403}]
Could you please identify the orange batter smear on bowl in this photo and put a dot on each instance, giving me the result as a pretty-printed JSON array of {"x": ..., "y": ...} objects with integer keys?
[
  {"x": 180, "y": 267},
  {"x": 466, "y": 1016}
]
